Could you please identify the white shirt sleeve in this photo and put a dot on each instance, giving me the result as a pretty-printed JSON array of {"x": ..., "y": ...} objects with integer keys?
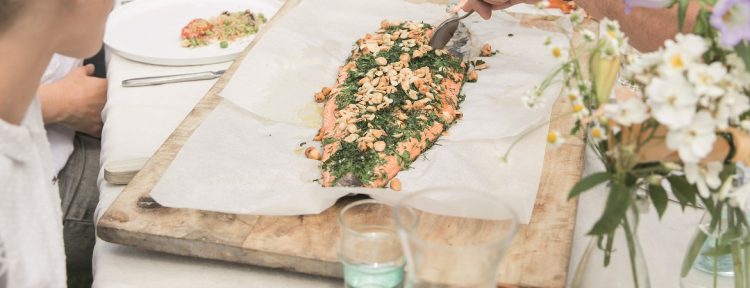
[{"x": 30, "y": 213}]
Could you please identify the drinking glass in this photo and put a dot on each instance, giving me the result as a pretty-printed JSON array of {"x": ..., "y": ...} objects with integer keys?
[
  {"x": 369, "y": 248},
  {"x": 453, "y": 237}
]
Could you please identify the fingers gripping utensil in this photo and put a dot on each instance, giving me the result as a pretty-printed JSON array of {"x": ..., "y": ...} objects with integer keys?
[
  {"x": 445, "y": 30},
  {"x": 158, "y": 80}
]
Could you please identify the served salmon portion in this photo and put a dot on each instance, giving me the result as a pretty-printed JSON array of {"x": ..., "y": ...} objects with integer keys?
[{"x": 394, "y": 97}]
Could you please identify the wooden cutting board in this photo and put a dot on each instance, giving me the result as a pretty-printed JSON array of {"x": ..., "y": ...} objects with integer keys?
[{"x": 538, "y": 256}]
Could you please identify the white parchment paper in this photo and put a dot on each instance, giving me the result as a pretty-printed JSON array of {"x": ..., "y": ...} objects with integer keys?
[{"x": 246, "y": 157}]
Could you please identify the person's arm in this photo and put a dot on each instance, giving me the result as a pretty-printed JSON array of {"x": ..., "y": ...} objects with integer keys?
[
  {"x": 75, "y": 101},
  {"x": 646, "y": 28}
]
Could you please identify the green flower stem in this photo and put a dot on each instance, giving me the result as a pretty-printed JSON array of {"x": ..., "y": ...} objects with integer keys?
[
  {"x": 746, "y": 264},
  {"x": 737, "y": 263},
  {"x": 629, "y": 235},
  {"x": 527, "y": 132}
]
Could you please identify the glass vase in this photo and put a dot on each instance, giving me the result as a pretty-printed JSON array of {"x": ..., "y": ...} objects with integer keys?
[
  {"x": 623, "y": 267},
  {"x": 705, "y": 266}
]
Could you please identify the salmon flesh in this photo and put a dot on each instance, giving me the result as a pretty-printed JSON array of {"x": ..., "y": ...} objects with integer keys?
[{"x": 394, "y": 98}]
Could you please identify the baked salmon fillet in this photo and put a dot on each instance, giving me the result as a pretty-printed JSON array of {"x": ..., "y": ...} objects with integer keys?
[{"x": 392, "y": 100}]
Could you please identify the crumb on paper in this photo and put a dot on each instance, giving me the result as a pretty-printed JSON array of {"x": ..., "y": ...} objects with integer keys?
[
  {"x": 472, "y": 76},
  {"x": 487, "y": 51}
]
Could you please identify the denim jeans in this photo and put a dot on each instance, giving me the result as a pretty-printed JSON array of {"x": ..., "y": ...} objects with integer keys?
[{"x": 79, "y": 195}]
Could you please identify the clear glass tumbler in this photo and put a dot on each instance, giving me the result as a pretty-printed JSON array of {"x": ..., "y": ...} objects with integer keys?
[
  {"x": 369, "y": 248},
  {"x": 454, "y": 237}
]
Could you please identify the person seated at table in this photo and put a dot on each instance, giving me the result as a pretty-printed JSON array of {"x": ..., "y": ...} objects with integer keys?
[
  {"x": 647, "y": 29},
  {"x": 71, "y": 101},
  {"x": 31, "y": 231}
]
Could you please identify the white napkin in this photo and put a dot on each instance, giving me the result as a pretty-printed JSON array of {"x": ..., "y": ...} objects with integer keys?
[{"x": 247, "y": 158}]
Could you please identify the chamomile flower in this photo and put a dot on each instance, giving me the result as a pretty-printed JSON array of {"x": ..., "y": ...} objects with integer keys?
[
  {"x": 672, "y": 100},
  {"x": 704, "y": 177},
  {"x": 584, "y": 85},
  {"x": 533, "y": 98},
  {"x": 612, "y": 29},
  {"x": 598, "y": 133},
  {"x": 579, "y": 110},
  {"x": 573, "y": 94},
  {"x": 555, "y": 139},
  {"x": 588, "y": 36},
  {"x": 632, "y": 111},
  {"x": 576, "y": 17},
  {"x": 558, "y": 52},
  {"x": 696, "y": 140}
]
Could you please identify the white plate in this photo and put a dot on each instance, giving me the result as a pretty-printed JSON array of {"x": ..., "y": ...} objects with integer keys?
[{"x": 149, "y": 31}]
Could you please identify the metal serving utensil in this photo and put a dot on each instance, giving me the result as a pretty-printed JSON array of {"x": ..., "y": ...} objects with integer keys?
[
  {"x": 445, "y": 30},
  {"x": 158, "y": 80}
]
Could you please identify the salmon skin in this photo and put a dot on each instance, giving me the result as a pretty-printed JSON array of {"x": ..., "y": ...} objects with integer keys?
[{"x": 392, "y": 100}]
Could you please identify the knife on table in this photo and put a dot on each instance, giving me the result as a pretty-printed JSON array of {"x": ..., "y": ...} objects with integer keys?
[{"x": 166, "y": 79}]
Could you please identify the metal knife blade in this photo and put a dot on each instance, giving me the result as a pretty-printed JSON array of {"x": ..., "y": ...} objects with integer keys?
[{"x": 166, "y": 79}]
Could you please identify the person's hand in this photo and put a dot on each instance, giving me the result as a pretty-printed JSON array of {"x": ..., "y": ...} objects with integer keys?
[
  {"x": 75, "y": 101},
  {"x": 485, "y": 7}
]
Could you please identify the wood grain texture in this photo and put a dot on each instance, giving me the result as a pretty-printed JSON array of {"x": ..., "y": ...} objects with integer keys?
[{"x": 538, "y": 256}]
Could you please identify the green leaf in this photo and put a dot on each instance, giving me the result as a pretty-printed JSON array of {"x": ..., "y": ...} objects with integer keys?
[
  {"x": 587, "y": 183},
  {"x": 743, "y": 50},
  {"x": 617, "y": 205},
  {"x": 693, "y": 251},
  {"x": 681, "y": 12},
  {"x": 683, "y": 191},
  {"x": 659, "y": 198}
]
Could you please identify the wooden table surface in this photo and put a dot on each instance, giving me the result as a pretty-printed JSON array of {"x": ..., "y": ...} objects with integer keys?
[{"x": 538, "y": 257}]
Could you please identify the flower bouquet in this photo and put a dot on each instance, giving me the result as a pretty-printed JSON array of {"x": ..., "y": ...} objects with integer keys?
[{"x": 681, "y": 128}]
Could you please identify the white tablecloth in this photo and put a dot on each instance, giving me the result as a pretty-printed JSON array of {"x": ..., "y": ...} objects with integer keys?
[{"x": 138, "y": 120}]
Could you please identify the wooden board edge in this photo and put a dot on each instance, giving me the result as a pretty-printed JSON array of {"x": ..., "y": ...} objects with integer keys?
[
  {"x": 231, "y": 254},
  {"x": 553, "y": 187},
  {"x": 161, "y": 159}
]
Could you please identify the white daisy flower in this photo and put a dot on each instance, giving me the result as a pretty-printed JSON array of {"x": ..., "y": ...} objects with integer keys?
[
  {"x": 694, "y": 141},
  {"x": 588, "y": 36},
  {"x": 555, "y": 139},
  {"x": 672, "y": 100},
  {"x": 730, "y": 107},
  {"x": 533, "y": 98},
  {"x": 632, "y": 111},
  {"x": 707, "y": 79},
  {"x": 576, "y": 17},
  {"x": 598, "y": 133},
  {"x": 579, "y": 110},
  {"x": 573, "y": 94},
  {"x": 704, "y": 177},
  {"x": 558, "y": 52}
]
